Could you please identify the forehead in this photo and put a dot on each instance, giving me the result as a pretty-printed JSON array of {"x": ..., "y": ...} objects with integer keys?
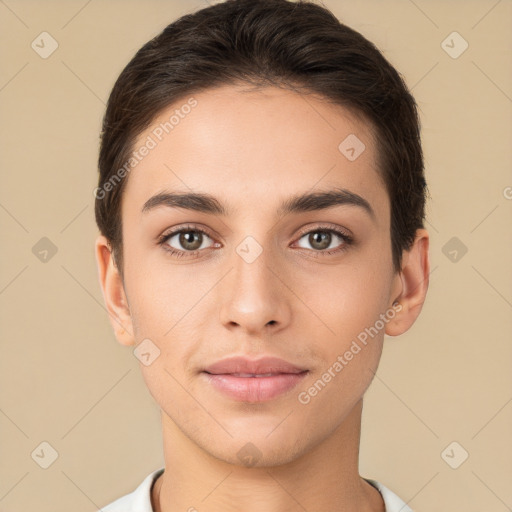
[{"x": 249, "y": 146}]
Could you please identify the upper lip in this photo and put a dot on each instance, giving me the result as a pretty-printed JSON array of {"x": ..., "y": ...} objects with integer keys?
[{"x": 263, "y": 365}]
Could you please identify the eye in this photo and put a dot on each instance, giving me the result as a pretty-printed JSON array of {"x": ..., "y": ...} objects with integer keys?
[
  {"x": 321, "y": 240},
  {"x": 187, "y": 240}
]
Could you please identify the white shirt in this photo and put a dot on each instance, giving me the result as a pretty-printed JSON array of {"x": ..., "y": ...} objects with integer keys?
[{"x": 140, "y": 499}]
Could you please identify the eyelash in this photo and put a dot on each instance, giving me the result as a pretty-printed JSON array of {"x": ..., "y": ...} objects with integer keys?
[{"x": 346, "y": 238}]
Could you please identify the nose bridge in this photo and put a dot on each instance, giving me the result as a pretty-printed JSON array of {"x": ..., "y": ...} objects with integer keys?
[
  {"x": 252, "y": 264},
  {"x": 252, "y": 295}
]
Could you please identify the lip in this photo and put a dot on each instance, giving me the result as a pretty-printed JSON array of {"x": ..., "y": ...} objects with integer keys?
[
  {"x": 263, "y": 365},
  {"x": 243, "y": 379}
]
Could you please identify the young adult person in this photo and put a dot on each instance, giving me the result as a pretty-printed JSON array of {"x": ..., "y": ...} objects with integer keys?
[{"x": 261, "y": 204}]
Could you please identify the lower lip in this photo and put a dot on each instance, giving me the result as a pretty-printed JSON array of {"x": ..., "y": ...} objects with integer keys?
[{"x": 254, "y": 389}]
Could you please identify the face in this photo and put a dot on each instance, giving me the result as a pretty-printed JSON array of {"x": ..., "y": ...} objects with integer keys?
[{"x": 254, "y": 273}]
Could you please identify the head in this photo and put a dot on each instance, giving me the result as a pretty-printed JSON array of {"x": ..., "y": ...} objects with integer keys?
[{"x": 254, "y": 125}]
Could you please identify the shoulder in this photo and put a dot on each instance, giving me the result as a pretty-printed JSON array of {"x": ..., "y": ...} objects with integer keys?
[
  {"x": 392, "y": 502},
  {"x": 137, "y": 501}
]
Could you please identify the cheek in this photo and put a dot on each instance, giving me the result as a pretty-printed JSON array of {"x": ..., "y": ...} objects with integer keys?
[
  {"x": 346, "y": 333},
  {"x": 158, "y": 293},
  {"x": 351, "y": 344},
  {"x": 343, "y": 299}
]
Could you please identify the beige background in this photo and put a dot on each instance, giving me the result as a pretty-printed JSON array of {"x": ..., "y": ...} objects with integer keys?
[{"x": 66, "y": 381}]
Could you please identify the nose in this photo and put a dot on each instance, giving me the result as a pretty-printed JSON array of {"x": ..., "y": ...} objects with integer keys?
[{"x": 253, "y": 298}]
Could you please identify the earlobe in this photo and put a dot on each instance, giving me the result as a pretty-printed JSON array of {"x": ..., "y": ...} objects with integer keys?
[
  {"x": 113, "y": 293},
  {"x": 414, "y": 278}
]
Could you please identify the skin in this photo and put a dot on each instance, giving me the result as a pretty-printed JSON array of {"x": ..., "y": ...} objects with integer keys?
[{"x": 252, "y": 150}]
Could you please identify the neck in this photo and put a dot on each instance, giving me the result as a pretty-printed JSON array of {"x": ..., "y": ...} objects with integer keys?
[{"x": 324, "y": 478}]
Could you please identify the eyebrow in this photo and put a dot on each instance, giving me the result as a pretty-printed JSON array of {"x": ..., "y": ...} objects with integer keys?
[{"x": 206, "y": 203}]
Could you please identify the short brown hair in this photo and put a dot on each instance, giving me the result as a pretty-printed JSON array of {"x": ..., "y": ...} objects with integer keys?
[{"x": 296, "y": 45}]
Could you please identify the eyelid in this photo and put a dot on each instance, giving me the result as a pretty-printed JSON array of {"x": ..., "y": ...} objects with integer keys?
[
  {"x": 186, "y": 227},
  {"x": 326, "y": 227}
]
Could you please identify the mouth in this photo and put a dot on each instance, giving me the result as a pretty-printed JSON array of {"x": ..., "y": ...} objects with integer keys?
[
  {"x": 254, "y": 387},
  {"x": 257, "y": 375}
]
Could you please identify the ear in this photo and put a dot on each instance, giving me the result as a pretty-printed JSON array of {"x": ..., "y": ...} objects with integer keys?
[
  {"x": 113, "y": 293},
  {"x": 412, "y": 284}
]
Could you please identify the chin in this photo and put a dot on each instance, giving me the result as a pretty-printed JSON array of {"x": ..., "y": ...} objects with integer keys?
[{"x": 253, "y": 449}]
